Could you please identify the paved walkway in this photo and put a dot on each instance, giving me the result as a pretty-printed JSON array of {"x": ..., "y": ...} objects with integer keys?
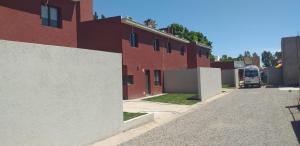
[{"x": 244, "y": 117}]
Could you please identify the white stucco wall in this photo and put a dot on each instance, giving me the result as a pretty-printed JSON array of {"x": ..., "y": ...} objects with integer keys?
[
  {"x": 204, "y": 81},
  {"x": 181, "y": 81},
  {"x": 209, "y": 82},
  {"x": 230, "y": 77},
  {"x": 58, "y": 96}
]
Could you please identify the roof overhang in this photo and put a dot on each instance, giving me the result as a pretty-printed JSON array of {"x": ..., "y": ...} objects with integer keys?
[{"x": 141, "y": 26}]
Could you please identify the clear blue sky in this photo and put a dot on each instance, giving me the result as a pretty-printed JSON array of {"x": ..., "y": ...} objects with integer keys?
[{"x": 232, "y": 25}]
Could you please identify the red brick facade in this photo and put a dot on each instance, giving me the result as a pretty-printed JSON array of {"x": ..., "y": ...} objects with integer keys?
[
  {"x": 100, "y": 34},
  {"x": 21, "y": 21}
]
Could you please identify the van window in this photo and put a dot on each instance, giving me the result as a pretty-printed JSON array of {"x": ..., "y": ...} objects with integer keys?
[{"x": 251, "y": 73}]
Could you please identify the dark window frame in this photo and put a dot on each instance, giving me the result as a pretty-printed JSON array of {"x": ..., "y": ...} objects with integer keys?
[
  {"x": 200, "y": 53},
  {"x": 156, "y": 45},
  {"x": 169, "y": 47},
  {"x": 48, "y": 19},
  {"x": 128, "y": 80},
  {"x": 207, "y": 54},
  {"x": 157, "y": 77},
  {"x": 182, "y": 50},
  {"x": 133, "y": 39}
]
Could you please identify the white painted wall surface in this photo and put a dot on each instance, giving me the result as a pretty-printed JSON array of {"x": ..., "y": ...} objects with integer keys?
[
  {"x": 230, "y": 77},
  {"x": 58, "y": 96},
  {"x": 210, "y": 83},
  {"x": 181, "y": 81}
]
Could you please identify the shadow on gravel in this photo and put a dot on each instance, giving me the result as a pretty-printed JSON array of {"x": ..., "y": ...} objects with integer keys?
[
  {"x": 295, "y": 123},
  {"x": 296, "y": 127}
]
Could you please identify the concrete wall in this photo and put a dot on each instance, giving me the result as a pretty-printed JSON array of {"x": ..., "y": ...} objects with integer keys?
[
  {"x": 181, "y": 81},
  {"x": 230, "y": 77},
  {"x": 290, "y": 51},
  {"x": 274, "y": 76},
  {"x": 58, "y": 96},
  {"x": 204, "y": 81},
  {"x": 209, "y": 82}
]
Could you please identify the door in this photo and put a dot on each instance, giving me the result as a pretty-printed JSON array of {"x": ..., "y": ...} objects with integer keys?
[{"x": 147, "y": 82}]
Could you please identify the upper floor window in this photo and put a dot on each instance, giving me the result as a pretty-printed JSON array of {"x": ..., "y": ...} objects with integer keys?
[
  {"x": 169, "y": 47},
  {"x": 207, "y": 54},
  {"x": 156, "y": 45},
  {"x": 182, "y": 50},
  {"x": 199, "y": 52},
  {"x": 133, "y": 40},
  {"x": 50, "y": 16}
]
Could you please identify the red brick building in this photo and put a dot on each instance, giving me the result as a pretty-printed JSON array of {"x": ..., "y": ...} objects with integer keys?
[
  {"x": 147, "y": 52},
  {"x": 38, "y": 21}
]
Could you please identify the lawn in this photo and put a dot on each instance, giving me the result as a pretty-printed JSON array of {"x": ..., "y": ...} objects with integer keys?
[
  {"x": 176, "y": 98},
  {"x": 128, "y": 116},
  {"x": 227, "y": 86}
]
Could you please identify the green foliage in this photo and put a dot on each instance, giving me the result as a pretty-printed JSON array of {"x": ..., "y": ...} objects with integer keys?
[
  {"x": 247, "y": 54},
  {"x": 239, "y": 58},
  {"x": 96, "y": 17},
  {"x": 150, "y": 23},
  {"x": 267, "y": 58},
  {"x": 270, "y": 59},
  {"x": 212, "y": 57},
  {"x": 226, "y": 58},
  {"x": 183, "y": 32},
  {"x": 128, "y": 116}
]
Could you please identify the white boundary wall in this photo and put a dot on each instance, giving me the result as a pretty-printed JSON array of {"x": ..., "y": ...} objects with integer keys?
[
  {"x": 210, "y": 83},
  {"x": 204, "y": 81},
  {"x": 58, "y": 96},
  {"x": 230, "y": 77}
]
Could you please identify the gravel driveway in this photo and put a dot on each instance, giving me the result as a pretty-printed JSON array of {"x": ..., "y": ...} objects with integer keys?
[{"x": 244, "y": 117}]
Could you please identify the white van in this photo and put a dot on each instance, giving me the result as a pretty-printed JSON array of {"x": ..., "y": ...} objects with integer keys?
[{"x": 252, "y": 76}]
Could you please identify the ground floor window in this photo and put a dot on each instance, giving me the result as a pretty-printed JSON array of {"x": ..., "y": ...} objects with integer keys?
[
  {"x": 157, "y": 77},
  {"x": 128, "y": 80}
]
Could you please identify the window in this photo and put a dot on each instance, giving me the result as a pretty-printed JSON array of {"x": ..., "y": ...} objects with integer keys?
[
  {"x": 133, "y": 40},
  {"x": 207, "y": 54},
  {"x": 50, "y": 16},
  {"x": 128, "y": 80},
  {"x": 182, "y": 50},
  {"x": 156, "y": 45},
  {"x": 157, "y": 77},
  {"x": 169, "y": 48},
  {"x": 200, "y": 53}
]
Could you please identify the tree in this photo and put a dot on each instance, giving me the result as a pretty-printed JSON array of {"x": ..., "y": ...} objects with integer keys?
[
  {"x": 193, "y": 36},
  {"x": 96, "y": 17},
  {"x": 247, "y": 54},
  {"x": 240, "y": 58},
  {"x": 150, "y": 23},
  {"x": 267, "y": 58},
  {"x": 278, "y": 55},
  {"x": 102, "y": 16},
  {"x": 255, "y": 55},
  {"x": 212, "y": 57},
  {"x": 226, "y": 58}
]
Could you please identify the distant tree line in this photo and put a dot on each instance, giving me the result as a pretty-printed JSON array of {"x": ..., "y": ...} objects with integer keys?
[
  {"x": 226, "y": 58},
  {"x": 270, "y": 59}
]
